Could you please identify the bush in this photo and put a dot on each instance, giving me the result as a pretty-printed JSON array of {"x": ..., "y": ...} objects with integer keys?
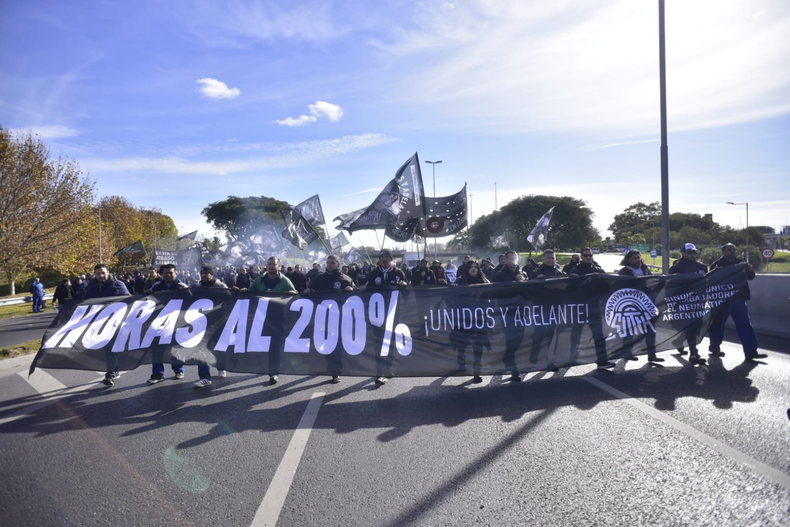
[
  {"x": 675, "y": 255},
  {"x": 709, "y": 255}
]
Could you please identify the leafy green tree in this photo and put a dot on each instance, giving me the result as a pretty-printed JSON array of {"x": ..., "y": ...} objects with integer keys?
[
  {"x": 241, "y": 217},
  {"x": 570, "y": 228},
  {"x": 640, "y": 217}
]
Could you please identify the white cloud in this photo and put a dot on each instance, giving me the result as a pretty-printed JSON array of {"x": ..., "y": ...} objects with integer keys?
[
  {"x": 318, "y": 110},
  {"x": 592, "y": 66},
  {"x": 52, "y": 131},
  {"x": 277, "y": 157},
  {"x": 214, "y": 89}
]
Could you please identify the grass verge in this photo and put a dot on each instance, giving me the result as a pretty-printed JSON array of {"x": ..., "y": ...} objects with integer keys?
[{"x": 31, "y": 346}]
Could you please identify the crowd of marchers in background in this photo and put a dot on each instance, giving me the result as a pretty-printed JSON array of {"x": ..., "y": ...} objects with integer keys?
[{"x": 345, "y": 278}]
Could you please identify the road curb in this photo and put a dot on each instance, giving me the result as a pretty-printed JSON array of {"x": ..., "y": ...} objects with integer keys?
[{"x": 16, "y": 362}]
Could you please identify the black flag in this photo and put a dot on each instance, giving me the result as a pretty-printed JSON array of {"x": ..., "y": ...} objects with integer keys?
[
  {"x": 311, "y": 210},
  {"x": 540, "y": 233},
  {"x": 135, "y": 248},
  {"x": 297, "y": 230},
  {"x": 445, "y": 215},
  {"x": 402, "y": 198}
]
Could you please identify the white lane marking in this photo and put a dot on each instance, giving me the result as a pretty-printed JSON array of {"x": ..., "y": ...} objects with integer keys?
[
  {"x": 50, "y": 388},
  {"x": 776, "y": 476},
  {"x": 269, "y": 511}
]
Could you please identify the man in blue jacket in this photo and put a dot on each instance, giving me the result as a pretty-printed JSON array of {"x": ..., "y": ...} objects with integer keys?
[
  {"x": 37, "y": 290},
  {"x": 738, "y": 310}
]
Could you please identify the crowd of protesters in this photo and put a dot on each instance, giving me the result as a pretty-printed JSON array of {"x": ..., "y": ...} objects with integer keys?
[{"x": 337, "y": 277}]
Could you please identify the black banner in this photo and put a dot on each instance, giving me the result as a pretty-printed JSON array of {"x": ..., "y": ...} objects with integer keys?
[{"x": 419, "y": 331}]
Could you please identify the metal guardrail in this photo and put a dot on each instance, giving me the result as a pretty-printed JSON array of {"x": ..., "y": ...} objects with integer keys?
[{"x": 16, "y": 300}]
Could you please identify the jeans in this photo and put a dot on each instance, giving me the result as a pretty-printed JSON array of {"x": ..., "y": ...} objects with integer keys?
[
  {"x": 158, "y": 368},
  {"x": 739, "y": 312}
]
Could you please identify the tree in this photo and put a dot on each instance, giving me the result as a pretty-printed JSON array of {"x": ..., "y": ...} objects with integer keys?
[
  {"x": 241, "y": 217},
  {"x": 570, "y": 228},
  {"x": 640, "y": 217},
  {"x": 44, "y": 207}
]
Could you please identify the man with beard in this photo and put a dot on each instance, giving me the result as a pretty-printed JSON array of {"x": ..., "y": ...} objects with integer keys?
[
  {"x": 169, "y": 282},
  {"x": 385, "y": 274},
  {"x": 548, "y": 267},
  {"x": 313, "y": 273},
  {"x": 204, "y": 371},
  {"x": 243, "y": 280},
  {"x": 422, "y": 275},
  {"x": 273, "y": 281},
  {"x": 104, "y": 285},
  {"x": 334, "y": 281}
]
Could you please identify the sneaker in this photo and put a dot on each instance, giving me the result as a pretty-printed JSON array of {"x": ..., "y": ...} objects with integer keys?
[
  {"x": 202, "y": 383},
  {"x": 682, "y": 351},
  {"x": 115, "y": 375},
  {"x": 335, "y": 379},
  {"x": 222, "y": 374},
  {"x": 155, "y": 379},
  {"x": 653, "y": 358},
  {"x": 515, "y": 378},
  {"x": 108, "y": 380},
  {"x": 715, "y": 351},
  {"x": 477, "y": 379},
  {"x": 694, "y": 358},
  {"x": 755, "y": 356},
  {"x": 606, "y": 365},
  {"x": 381, "y": 380},
  {"x": 179, "y": 375},
  {"x": 632, "y": 358},
  {"x": 272, "y": 379}
]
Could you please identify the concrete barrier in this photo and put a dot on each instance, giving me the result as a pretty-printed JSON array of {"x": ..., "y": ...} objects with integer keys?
[{"x": 769, "y": 307}]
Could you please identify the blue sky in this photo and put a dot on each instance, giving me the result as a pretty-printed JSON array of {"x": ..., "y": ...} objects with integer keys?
[{"x": 179, "y": 104}]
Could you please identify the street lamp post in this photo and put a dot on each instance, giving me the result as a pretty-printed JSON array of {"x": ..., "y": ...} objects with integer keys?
[
  {"x": 747, "y": 224},
  {"x": 433, "y": 165},
  {"x": 471, "y": 220},
  {"x": 101, "y": 260}
]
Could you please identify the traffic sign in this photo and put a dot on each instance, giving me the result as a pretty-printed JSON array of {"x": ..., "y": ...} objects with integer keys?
[
  {"x": 641, "y": 247},
  {"x": 653, "y": 253},
  {"x": 768, "y": 253}
]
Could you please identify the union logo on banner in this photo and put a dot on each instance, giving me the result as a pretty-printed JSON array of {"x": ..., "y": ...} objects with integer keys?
[
  {"x": 434, "y": 225},
  {"x": 629, "y": 313}
]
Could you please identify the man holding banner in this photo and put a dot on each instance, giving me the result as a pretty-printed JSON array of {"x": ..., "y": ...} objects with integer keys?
[
  {"x": 102, "y": 286},
  {"x": 169, "y": 282},
  {"x": 273, "y": 281}
]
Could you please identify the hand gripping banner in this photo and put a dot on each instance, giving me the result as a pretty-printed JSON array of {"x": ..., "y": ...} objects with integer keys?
[{"x": 415, "y": 331}]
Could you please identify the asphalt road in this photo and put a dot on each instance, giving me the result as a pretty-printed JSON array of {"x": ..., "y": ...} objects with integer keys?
[
  {"x": 642, "y": 445},
  {"x": 22, "y": 329}
]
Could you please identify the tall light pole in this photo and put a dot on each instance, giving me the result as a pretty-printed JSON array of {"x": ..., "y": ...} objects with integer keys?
[
  {"x": 433, "y": 165},
  {"x": 471, "y": 220},
  {"x": 496, "y": 208},
  {"x": 747, "y": 224},
  {"x": 662, "y": 70}
]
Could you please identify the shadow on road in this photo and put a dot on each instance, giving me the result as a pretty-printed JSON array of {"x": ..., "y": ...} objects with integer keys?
[{"x": 435, "y": 404}]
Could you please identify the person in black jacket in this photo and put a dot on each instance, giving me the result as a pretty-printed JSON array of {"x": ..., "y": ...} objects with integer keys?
[
  {"x": 633, "y": 265},
  {"x": 587, "y": 267},
  {"x": 513, "y": 337},
  {"x": 548, "y": 268},
  {"x": 422, "y": 274},
  {"x": 575, "y": 260},
  {"x": 63, "y": 293},
  {"x": 477, "y": 338},
  {"x": 384, "y": 275},
  {"x": 332, "y": 281},
  {"x": 688, "y": 264},
  {"x": 738, "y": 310}
]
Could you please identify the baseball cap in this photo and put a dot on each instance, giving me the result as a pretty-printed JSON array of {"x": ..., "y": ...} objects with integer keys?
[
  {"x": 691, "y": 247},
  {"x": 209, "y": 269},
  {"x": 385, "y": 253}
]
